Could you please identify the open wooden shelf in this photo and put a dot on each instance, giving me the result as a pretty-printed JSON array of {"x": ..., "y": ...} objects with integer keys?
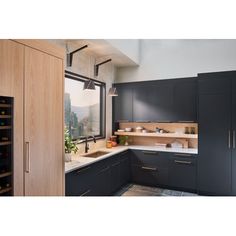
[
  {"x": 5, "y": 143},
  {"x": 5, "y": 105},
  {"x": 5, "y": 190},
  {"x": 164, "y": 135},
  {"x": 5, "y": 174},
  {"x": 5, "y": 127},
  {"x": 5, "y": 116}
]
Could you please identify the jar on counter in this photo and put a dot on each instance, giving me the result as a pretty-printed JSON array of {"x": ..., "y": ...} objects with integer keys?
[
  {"x": 109, "y": 144},
  {"x": 113, "y": 140}
]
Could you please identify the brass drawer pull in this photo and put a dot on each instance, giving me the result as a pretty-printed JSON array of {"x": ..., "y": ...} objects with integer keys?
[
  {"x": 149, "y": 152},
  {"x": 85, "y": 193},
  {"x": 80, "y": 171},
  {"x": 182, "y": 155},
  {"x": 183, "y": 162},
  {"x": 148, "y": 168}
]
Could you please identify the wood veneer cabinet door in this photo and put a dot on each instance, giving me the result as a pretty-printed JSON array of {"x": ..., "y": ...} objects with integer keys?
[
  {"x": 11, "y": 84},
  {"x": 43, "y": 122}
]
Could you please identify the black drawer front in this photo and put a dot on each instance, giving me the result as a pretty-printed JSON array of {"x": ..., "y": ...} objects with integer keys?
[
  {"x": 150, "y": 158},
  {"x": 149, "y": 175},
  {"x": 183, "y": 172}
]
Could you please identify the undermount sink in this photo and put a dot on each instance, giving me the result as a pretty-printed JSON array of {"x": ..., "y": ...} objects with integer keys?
[{"x": 95, "y": 154}]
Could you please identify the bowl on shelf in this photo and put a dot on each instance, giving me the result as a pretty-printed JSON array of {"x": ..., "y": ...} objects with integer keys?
[{"x": 128, "y": 129}]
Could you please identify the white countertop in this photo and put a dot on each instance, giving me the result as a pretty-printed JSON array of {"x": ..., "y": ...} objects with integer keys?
[{"x": 79, "y": 161}]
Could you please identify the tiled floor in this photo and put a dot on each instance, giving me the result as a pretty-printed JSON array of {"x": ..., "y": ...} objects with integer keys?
[{"x": 139, "y": 190}]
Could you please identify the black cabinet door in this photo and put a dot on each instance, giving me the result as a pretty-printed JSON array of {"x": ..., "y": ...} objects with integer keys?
[
  {"x": 123, "y": 103},
  {"x": 149, "y": 167},
  {"x": 183, "y": 172},
  {"x": 124, "y": 168},
  {"x": 214, "y": 159},
  {"x": 234, "y": 137},
  {"x": 185, "y": 100},
  {"x": 101, "y": 182},
  {"x": 115, "y": 176},
  {"x": 79, "y": 182},
  {"x": 153, "y": 101}
]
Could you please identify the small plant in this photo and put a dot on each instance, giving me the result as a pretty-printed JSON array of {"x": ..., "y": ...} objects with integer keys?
[
  {"x": 70, "y": 146},
  {"x": 123, "y": 140}
]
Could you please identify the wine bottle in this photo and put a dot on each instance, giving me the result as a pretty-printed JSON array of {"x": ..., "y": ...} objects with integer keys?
[
  {"x": 3, "y": 112},
  {"x": 2, "y": 123}
]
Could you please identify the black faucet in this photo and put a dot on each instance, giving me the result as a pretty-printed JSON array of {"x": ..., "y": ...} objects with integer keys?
[{"x": 86, "y": 142}]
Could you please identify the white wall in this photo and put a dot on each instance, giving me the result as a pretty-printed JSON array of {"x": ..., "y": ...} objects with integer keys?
[
  {"x": 129, "y": 47},
  {"x": 162, "y": 59}
]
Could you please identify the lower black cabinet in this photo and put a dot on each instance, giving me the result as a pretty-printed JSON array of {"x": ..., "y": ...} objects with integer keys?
[
  {"x": 105, "y": 177},
  {"x": 149, "y": 167},
  {"x": 115, "y": 176},
  {"x": 101, "y": 183},
  {"x": 183, "y": 172},
  {"x": 125, "y": 170},
  {"x": 79, "y": 182}
]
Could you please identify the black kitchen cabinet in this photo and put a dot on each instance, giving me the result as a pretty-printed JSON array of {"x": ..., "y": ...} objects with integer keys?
[
  {"x": 79, "y": 182},
  {"x": 153, "y": 101},
  {"x": 101, "y": 182},
  {"x": 185, "y": 100},
  {"x": 214, "y": 159},
  {"x": 149, "y": 167},
  {"x": 123, "y": 103},
  {"x": 115, "y": 176},
  {"x": 233, "y": 132},
  {"x": 125, "y": 171},
  {"x": 183, "y": 171}
]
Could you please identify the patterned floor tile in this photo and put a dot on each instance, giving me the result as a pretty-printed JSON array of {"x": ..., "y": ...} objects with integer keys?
[{"x": 140, "y": 190}]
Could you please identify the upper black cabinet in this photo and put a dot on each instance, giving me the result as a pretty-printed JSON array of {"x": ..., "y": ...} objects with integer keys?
[
  {"x": 153, "y": 101},
  {"x": 185, "y": 100},
  {"x": 123, "y": 104},
  {"x": 173, "y": 100}
]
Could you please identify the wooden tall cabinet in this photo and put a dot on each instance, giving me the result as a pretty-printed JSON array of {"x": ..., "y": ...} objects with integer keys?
[{"x": 32, "y": 72}]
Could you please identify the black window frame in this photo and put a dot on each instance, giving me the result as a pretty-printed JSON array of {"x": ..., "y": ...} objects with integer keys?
[{"x": 102, "y": 85}]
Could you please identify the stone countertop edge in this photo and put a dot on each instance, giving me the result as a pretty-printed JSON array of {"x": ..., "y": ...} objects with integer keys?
[{"x": 78, "y": 161}]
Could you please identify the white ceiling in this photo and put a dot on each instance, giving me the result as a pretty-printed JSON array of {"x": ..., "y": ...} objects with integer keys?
[{"x": 99, "y": 48}]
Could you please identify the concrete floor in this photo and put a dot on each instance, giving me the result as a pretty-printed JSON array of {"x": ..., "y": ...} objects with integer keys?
[{"x": 139, "y": 190}]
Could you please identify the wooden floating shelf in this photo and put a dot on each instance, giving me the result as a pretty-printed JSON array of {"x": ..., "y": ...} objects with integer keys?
[
  {"x": 5, "y": 127},
  {"x": 5, "y": 190},
  {"x": 154, "y": 135},
  {"x": 5, "y": 105},
  {"x": 5, "y": 143},
  {"x": 5, "y": 174},
  {"x": 5, "y": 116}
]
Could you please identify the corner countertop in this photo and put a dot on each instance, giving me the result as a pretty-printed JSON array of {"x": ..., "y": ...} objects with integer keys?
[{"x": 78, "y": 161}]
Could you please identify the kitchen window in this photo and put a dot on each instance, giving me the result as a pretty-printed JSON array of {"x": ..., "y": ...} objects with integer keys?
[{"x": 84, "y": 109}]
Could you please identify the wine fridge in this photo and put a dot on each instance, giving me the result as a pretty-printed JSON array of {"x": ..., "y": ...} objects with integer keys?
[{"x": 6, "y": 146}]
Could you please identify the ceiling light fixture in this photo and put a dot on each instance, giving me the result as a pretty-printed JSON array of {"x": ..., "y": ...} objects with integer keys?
[
  {"x": 89, "y": 85},
  {"x": 113, "y": 92},
  {"x": 69, "y": 56}
]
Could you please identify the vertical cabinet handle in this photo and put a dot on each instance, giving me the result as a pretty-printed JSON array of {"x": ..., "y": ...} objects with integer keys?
[
  {"x": 229, "y": 140},
  {"x": 233, "y": 139},
  {"x": 27, "y": 157}
]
